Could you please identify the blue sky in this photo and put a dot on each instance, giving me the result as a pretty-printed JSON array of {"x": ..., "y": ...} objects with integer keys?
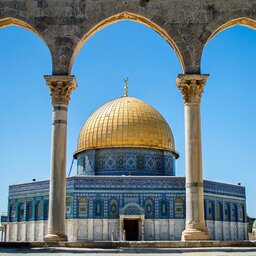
[{"x": 128, "y": 49}]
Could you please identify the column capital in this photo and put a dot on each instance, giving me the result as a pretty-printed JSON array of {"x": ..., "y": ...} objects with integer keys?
[
  {"x": 191, "y": 86},
  {"x": 60, "y": 88}
]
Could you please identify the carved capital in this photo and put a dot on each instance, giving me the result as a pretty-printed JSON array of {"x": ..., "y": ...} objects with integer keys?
[
  {"x": 191, "y": 87},
  {"x": 60, "y": 88}
]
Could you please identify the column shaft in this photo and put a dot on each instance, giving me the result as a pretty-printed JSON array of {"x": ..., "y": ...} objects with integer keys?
[
  {"x": 57, "y": 196},
  {"x": 191, "y": 87},
  {"x": 61, "y": 88}
]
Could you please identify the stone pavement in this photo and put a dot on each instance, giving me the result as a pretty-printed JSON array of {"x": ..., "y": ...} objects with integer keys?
[{"x": 61, "y": 251}]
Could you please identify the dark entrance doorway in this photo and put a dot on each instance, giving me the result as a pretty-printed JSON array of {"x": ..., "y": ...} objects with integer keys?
[{"x": 131, "y": 228}]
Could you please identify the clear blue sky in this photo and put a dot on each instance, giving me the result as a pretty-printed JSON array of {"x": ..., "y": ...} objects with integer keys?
[{"x": 132, "y": 50}]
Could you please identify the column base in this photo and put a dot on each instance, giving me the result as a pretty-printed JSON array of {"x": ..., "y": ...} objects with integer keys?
[
  {"x": 194, "y": 234},
  {"x": 55, "y": 237}
]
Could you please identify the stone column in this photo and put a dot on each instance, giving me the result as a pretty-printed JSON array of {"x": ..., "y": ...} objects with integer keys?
[
  {"x": 60, "y": 90},
  {"x": 191, "y": 87}
]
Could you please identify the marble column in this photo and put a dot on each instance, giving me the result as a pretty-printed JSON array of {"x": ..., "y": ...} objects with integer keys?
[
  {"x": 60, "y": 90},
  {"x": 191, "y": 87}
]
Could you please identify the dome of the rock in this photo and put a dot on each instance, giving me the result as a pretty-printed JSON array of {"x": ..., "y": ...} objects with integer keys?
[{"x": 125, "y": 122}]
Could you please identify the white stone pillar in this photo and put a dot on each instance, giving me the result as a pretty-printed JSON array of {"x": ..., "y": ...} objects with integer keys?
[
  {"x": 191, "y": 87},
  {"x": 60, "y": 90}
]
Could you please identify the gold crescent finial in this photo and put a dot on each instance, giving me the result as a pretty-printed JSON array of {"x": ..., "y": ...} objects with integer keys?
[{"x": 126, "y": 87}]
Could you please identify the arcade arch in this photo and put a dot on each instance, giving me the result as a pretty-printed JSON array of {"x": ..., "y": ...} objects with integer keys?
[
  {"x": 10, "y": 21},
  {"x": 132, "y": 17},
  {"x": 233, "y": 47},
  {"x": 18, "y": 120},
  {"x": 243, "y": 21},
  {"x": 198, "y": 18}
]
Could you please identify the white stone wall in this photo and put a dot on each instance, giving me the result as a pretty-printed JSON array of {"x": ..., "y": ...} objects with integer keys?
[
  {"x": 113, "y": 228},
  {"x": 12, "y": 234},
  {"x": 149, "y": 230},
  {"x": 26, "y": 231},
  {"x": 108, "y": 229},
  {"x": 226, "y": 230},
  {"x": 30, "y": 231},
  {"x": 39, "y": 230},
  {"x": 179, "y": 226},
  {"x": 219, "y": 230},
  {"x": 21, "y": 231},
  {"x": 164, "y": 229},
  {"x": 233, "y": 231},
  {"x": 210, "y": 225}
]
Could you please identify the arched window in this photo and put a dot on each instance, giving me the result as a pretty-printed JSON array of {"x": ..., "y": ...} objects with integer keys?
[
  {"x": 12, "y": 212},
  {"x": 29, "y": 210},
  {"x": 113, "y": 209},
  {"x": 149, "y": 208},
  {"x": 241, "y": 213},
  {"x": 38, "y": 210},
  {"x": 210, "y": 211},
  {"x": 97, "y": 208},
  {"x": 219, "y": 211},
  {"x": 82, "y": 207},
  {"x": 179, "y": 211},
  {"x": 164, "y": 208},
  {"x": 233, "y": 211},
  {"x": 21, "y": 212},
  {"x": 46, "y": 209},
  {"x": 227, "y": 212}
]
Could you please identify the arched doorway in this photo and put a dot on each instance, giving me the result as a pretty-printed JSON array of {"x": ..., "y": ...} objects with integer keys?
[{"x": 131, "y": 218}]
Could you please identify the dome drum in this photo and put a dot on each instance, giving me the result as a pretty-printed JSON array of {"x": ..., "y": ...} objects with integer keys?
[{"x": 126, "y": 161}]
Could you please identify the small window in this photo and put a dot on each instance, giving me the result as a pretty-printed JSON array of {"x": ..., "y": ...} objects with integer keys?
[
  {"x": 97, "y": 208},
  {"x": 164, "y": 211}
]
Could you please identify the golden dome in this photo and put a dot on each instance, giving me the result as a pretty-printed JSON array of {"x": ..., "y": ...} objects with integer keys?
[{"x": 125, "y": 122}]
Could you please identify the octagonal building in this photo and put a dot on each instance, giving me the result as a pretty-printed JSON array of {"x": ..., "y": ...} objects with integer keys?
[{"x": 125, "y": 187}]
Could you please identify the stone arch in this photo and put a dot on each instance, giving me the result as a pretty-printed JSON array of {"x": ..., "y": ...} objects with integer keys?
[
  {"x": 243, "y": 21},
  {"x": 220, "y": 25},
  {"x": 6, "y": 22},
  {"x": 126, "y": 16},
  {"x": 9, "y": 21}
]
